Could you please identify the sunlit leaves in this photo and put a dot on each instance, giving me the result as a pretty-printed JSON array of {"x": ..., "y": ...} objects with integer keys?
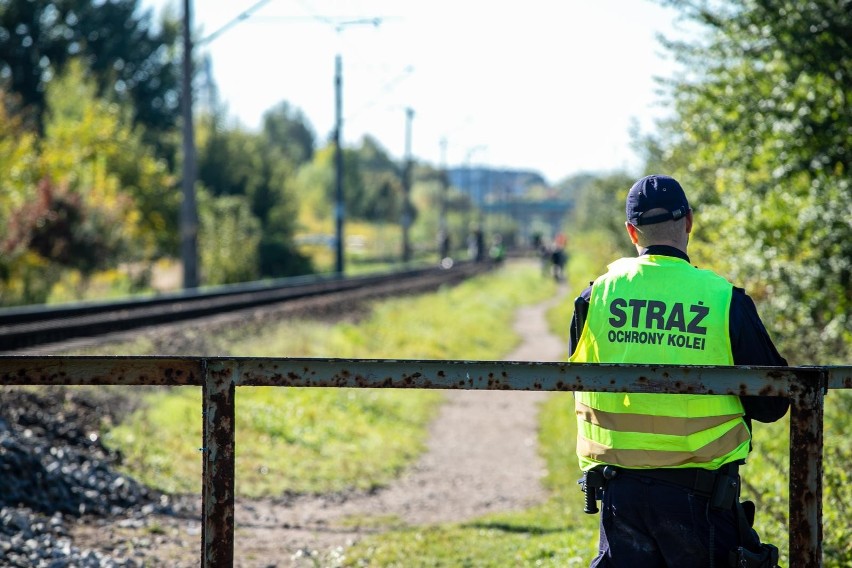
[
  {"x": 91, "y": 145},
  {"x": 85, "y": 196},
  {"x": 258, "y": 171},
  {"x": 761, "y": 139},
  {"x": 228, "y": 239},
  {"x": 128, "y": 58}
]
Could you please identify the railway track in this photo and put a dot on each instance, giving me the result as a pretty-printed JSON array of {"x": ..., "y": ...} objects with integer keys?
[{"x": 32, "y": 326}]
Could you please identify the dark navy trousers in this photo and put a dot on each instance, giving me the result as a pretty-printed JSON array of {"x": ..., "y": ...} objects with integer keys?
[{"x": 647, "y": 523}]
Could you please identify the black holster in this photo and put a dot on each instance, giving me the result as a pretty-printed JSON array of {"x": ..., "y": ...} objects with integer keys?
[
  {"x": 766, "y": 557},
  {"x": 726, "y": 489},
  {"x": 592, "y": 481}
]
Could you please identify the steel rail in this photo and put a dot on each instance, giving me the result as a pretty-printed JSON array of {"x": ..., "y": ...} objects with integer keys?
[{"x": 35, "y": 325}]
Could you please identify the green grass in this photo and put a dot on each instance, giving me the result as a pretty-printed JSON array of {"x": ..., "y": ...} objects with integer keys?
[
  {"x": 471, "y": 321},
  {"x": 556, "y": 533},
  {"x": 321, "y": 440},
  {"x": 302, "y": 440}
]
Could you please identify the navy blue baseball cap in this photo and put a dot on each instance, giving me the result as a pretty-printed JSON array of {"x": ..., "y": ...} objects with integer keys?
[{"x": 656, "y": 192}]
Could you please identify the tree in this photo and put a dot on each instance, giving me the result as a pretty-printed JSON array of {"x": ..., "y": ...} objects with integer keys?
[
  {"x": 288, "y": 131},
  {"x": 382, "y": 198},
  {"x": 229, "y": 236},
  {"x": 18, "y": 145},
  {"x": 58, "y": 226},
  {"x": 90, "y": 145},
  {"x": 84, "y": 197},
  {"x": 132, "y": 60},
  {"x": 761, "y": 134},
  {"x": 236, "y": 163}
]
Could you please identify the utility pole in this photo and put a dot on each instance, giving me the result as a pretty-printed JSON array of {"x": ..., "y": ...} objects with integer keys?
[
  {"x": 189, "y": 206},
  {"x": 339, "y": 208},
  {"x": 443, "y": 229},
  {"x": 407, "y": 213},
  {"x": 188, "y": 209}
]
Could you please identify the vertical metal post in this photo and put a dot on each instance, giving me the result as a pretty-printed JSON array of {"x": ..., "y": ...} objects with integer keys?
[
  {"x": 188, "y": 208},
  {"x": 806, "y": 469},
  {"x": 217, "y": 500},
  {"x": 338, "y": 163},
  {"x": 406, "y": 189},
  {"x": 443, "y": 228}
]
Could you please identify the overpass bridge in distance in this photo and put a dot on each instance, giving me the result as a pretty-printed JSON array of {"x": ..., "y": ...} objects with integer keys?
[{"x": 550, "y": 212}]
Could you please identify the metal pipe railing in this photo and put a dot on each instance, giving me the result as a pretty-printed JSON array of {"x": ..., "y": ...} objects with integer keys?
[{"x": 219, "y": 376}]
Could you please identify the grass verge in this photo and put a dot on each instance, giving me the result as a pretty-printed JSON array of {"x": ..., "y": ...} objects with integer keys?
[
  {"x": 556, "y": 533},
  {"x": 324, "y": 440}
]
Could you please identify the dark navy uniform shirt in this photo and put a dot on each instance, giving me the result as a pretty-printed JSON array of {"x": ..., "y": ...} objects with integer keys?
[{"x": 750, "y": 342}]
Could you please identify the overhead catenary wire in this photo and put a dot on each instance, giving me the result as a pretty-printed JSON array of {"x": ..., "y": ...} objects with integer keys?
[{"x": 244, "y": 15}]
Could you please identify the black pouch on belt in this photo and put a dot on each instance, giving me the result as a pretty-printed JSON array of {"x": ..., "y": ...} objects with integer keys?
[
  {"x": 725, "y": 490},
  {"x": 766, "y": 557}
]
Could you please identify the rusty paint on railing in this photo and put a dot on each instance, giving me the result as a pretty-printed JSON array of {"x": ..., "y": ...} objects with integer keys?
[
  {"x": 805, "y": 484},
  {"x": 40, "y": 370},
  {"x": 515, "y": 375},
  {"x": 219, "y": 471},
  {"x": 219, "y": 377}
]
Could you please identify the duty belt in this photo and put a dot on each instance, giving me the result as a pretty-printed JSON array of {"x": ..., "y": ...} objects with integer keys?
[
  {"x": 720, "y": 486},
  {"x": 699, "y": 480}
]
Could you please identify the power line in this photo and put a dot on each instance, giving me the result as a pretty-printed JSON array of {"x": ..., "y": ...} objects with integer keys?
[
  {"x": 246, "y": 14},
  {"x": 386, "y": 89}
]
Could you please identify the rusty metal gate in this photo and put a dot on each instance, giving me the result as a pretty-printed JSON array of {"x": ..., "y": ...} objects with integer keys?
[{"x": 219, "y": 377}]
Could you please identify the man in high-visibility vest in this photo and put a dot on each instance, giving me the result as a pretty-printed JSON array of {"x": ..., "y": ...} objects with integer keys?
[{"x": 666, "y": 465}]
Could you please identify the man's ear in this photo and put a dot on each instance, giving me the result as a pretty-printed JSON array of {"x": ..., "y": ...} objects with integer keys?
[
  {"x": 631, "y": 230},
  {"x": 689, "y": 221}
]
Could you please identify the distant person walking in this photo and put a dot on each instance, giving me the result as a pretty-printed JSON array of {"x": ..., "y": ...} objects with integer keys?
[
  {"x": 559, "y": 257},
  {"x": 498, "y": 250},
  {"x": 476, "y": 245},
  {"x": 666, "y": 465}
]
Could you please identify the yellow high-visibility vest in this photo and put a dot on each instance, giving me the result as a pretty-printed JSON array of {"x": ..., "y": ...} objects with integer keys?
[{"x": 658, "y": 310}]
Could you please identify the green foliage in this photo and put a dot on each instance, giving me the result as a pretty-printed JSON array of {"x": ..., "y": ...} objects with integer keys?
[
  {"x": 87, "y": 196},
  {"x": 26, "y": 278},
  {"x": 760, "y": 139},
  {"x": 372, "y": 186},
  {"x": 288, "y": 132},
  {"x": 130, "y": 59},
  {"x": 91, "y": 144},
  {"x": 17, "y": 154},
  {"x": 383, "y": 189},
  {"x": 227, "y": 240},
  {"x": 229, "y": 159},
  {"x": 258, "y": 170},
  {"x": 314, "y": 184},
  {"x": 278, "y": 256},
  {"x": 837, "y": 480}
]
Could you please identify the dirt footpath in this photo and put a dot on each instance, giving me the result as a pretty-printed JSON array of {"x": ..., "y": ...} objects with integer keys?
[{"x": 481, "y": 458}]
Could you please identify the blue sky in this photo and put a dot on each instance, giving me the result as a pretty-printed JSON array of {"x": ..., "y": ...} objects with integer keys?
[{"x": 548, "y": 85}]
